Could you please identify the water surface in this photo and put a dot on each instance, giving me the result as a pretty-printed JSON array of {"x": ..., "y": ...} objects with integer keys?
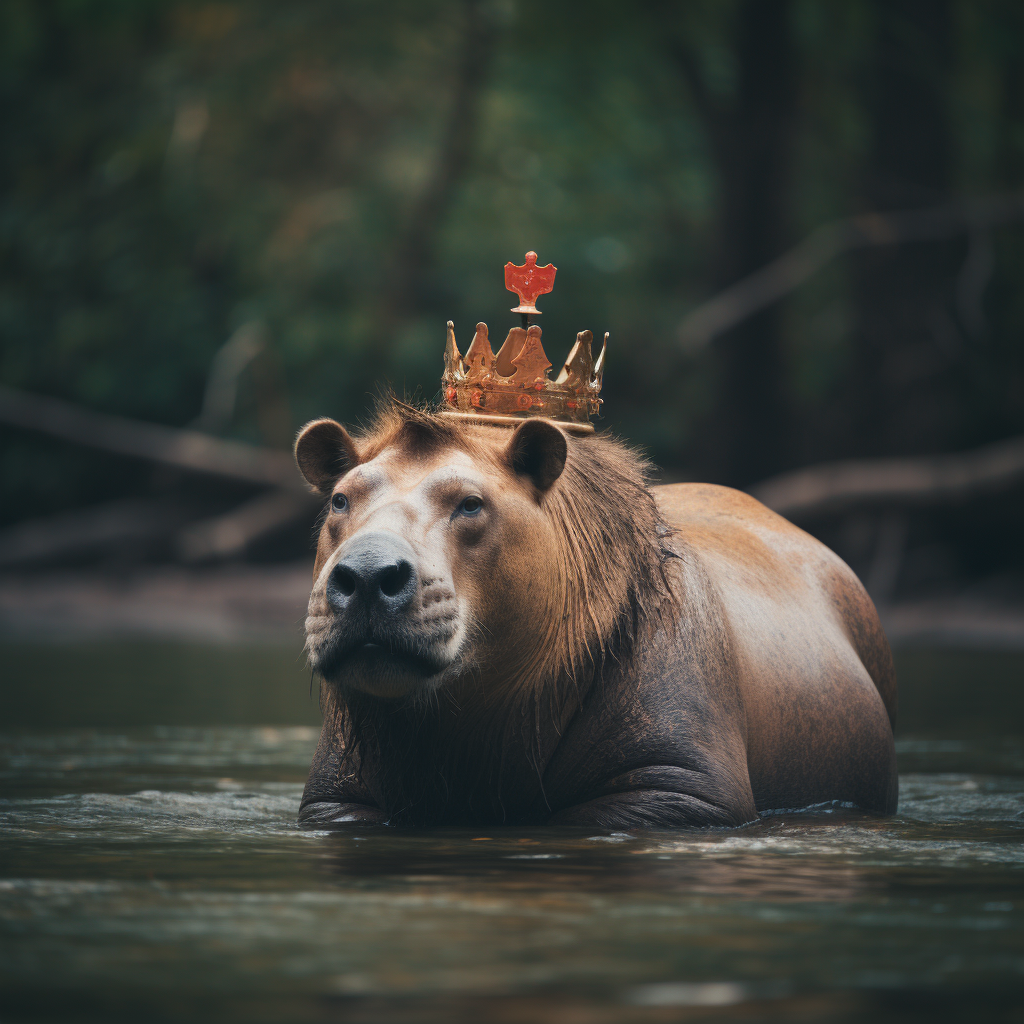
[{"x": 154, "y": 872}]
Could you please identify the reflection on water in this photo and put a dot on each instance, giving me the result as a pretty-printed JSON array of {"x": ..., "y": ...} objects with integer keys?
[{"x": 156, "y": 873}]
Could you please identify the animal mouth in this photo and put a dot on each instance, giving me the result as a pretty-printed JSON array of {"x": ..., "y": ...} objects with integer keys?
[
  {"x": 373, "y": 652},
  {"x": 373, "y": 657}
]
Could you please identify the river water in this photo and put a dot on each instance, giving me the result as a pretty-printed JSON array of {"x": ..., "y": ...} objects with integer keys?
[{"x": 151, "y": 870}]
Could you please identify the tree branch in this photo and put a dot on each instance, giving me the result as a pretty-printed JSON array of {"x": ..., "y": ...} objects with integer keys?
[{"x": 769, "y": 284}]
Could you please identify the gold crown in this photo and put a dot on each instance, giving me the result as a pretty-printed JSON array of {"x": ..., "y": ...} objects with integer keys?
[{"x": 514, "y": 384}]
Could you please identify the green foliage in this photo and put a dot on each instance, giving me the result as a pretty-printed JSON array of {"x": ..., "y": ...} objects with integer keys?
[{"x": 171, "y": 170}]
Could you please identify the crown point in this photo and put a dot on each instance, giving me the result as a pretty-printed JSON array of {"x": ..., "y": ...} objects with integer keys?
[
  {"x": 531, "y": 360},
  {"x": 508, "y": 351},
  {"x": 479, "y": 358},
  {"x": 599, "y": 365},
  {"x": 579, "y": 366},
  {"x": 452, "y": 355}
]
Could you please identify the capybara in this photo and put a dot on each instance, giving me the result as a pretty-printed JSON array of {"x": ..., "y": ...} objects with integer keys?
[{"x": 513, "y": 627}]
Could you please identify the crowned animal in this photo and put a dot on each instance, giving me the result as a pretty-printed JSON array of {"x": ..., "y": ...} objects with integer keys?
[{"x": 513, "y": 626}]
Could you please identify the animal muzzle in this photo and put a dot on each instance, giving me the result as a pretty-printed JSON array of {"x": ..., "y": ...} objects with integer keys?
[
  {"x": 376, "y": 575},
  {"x": 382, "y": 623}
]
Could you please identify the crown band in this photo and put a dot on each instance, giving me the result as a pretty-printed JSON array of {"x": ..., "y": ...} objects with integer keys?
[{"x": 511, "y": 421}]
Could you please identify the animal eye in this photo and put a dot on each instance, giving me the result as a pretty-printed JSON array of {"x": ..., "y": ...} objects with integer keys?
[
  {"x": 339, "y": 502},
  {"x": 471, "y": 505}
]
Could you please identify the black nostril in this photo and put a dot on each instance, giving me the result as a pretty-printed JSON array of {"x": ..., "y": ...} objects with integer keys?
[
  {"x": 395, "y": 579},
  {"x": 344, "y": 581}
]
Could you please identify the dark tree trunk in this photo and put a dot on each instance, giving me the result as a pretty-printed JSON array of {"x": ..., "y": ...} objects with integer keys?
[
  {"x": 1010, "y": 153},
  {"x": 752, "y": 415},
  {"x": 751, "y": 140},
  {"x": 409, "y": 288},
  {"x": 903, "y": 393}
]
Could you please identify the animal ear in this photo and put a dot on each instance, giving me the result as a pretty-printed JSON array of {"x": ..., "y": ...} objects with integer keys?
[
  {"x": 538, "y": 450},
  {"x": 324, "y": 452}
]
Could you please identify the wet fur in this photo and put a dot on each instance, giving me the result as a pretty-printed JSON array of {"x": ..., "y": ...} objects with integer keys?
[
  {"x": 701, "y": 660},
  {"x": 611, "y": 587}
]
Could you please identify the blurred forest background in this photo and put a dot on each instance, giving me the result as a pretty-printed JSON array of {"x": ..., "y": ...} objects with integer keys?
[{"x": 290, "y": 200}]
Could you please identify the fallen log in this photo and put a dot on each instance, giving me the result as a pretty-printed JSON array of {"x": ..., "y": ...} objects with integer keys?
[
  {"x": 228, "y": 535},
  {"x": 86, "y": 531},
  {"x": 817, "y": 489},
  {"x": 836, "y": 486},
  {"x": 172, "y": 446}
]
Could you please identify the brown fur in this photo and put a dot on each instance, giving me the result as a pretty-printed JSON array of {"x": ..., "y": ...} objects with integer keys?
[
  {"x": 609, "y": 586},
  {"x": 610, "y": 582},
  {"x": 654, "y": 656}
]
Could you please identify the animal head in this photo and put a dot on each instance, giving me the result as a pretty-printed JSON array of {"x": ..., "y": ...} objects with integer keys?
[{"x": 462, "y": 555}]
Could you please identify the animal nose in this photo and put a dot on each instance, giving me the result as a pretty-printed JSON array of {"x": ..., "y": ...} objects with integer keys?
[{"x": 376, "y": 571}]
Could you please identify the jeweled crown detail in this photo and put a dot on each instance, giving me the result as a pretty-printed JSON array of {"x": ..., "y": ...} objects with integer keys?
[{"x": 515, "y": 382}]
